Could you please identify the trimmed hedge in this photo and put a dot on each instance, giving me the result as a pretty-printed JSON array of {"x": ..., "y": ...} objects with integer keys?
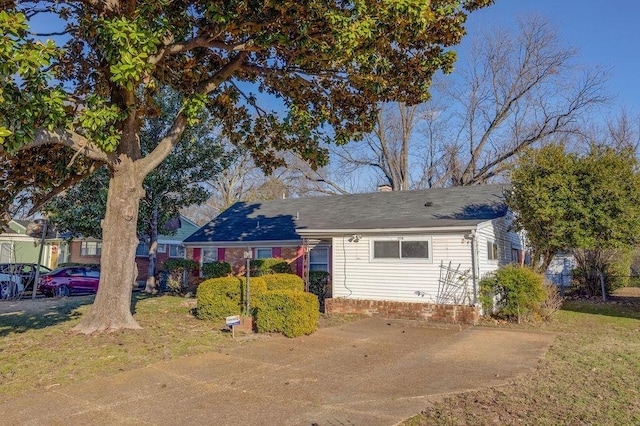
[
  {"x": 290, "y": 312},
  {"x": 283, "y": 282},
  {"x": 221, "y": 297},
  {"x": 216, "y": 269},
  {"x": 270, "y": 265}
]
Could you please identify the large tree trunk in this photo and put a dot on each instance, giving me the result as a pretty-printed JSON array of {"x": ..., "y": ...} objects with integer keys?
[{"x": 112, "y": 307}]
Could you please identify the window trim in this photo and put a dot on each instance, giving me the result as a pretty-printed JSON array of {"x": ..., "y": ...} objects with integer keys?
[
  {"x": 327, "y": 263},
  {"x": 84, "y": 248},
  {"x": 180, "y": 246},
  {"x": 146, "y": 252},
  {"x": 255, "y": 252},
  {"x": 425, "y": 238},
  {"x": 493, "y": 252}
]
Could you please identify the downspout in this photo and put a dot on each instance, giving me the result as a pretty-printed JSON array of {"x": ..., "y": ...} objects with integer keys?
[{"x": 474, "y": 265}]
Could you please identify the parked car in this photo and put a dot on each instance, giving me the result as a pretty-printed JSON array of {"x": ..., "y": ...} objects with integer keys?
[
  {"x": 70, "y": 280},
  {"x": 10, "y": 286},
  {"x": 26, "y": 273}
]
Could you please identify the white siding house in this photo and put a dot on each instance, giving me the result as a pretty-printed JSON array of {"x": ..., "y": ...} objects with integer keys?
[{"x": 421, "y": 247}]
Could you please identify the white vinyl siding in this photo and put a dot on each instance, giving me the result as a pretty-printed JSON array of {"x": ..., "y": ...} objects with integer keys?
[
  {"x": 357, "y": 275},
  {"x": 496, "y": 231}
]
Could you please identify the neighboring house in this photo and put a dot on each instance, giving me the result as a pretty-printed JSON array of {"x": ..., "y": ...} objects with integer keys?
[
  {"x": 89, "y": 250},
  {"x": 16, "y": 246},
  {"x": 560, "y": 269},
  {"x": 426, "y": 247}
]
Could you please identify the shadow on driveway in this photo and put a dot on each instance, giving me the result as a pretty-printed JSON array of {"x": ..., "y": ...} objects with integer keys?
[{"x": 369, "y": 372}]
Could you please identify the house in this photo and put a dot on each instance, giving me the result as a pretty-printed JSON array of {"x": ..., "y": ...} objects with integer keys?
[
  {"x": 89, "y": 250},
  {"x": 19, "y": 244},
  {"x": 409, "y": 254}
]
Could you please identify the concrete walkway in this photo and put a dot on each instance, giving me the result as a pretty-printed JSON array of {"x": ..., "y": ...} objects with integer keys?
[{"x": 370, "y": 372}]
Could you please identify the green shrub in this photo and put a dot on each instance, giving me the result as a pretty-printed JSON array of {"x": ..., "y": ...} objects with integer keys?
[
  {"x": 180, "y": 265},
  {"x": 319, "y": 283},
  {"x": 220, "y": 297},
  {"x": 513, "y": 292},
  {"x": 283, "y": 282},
  {"x": 270, "y": 265},
  {"x": 178, "y": 271},
  {"x": 86, "y": 265},
  {"x": 618, "y": 271},
  {"x": 290, "y": 312},
  {"x": 216, "y": 269}
]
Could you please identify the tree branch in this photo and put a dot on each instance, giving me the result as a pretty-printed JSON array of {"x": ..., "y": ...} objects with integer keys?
[{"x": 72, "y": 140}]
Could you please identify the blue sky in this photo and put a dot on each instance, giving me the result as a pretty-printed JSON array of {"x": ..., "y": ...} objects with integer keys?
[{"x": 606, "y": 33}]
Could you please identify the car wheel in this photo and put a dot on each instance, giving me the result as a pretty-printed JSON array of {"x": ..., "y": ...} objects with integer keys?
[
  {"x": 62, "y": 291},
  {"x": 5, "y": 290}
]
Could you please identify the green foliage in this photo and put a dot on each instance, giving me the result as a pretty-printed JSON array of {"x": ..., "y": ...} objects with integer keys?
[
  {"x": 221, "y": 297},
  {"x": 612, "y": 265},
  {"x": 283, "y": 282},
  {"x": 290, "y": 312},
  {"x": 180, "y": 265},
  {"x": 513, "y": 292},
  {"x": 179, "y": 269},
  {"x": 216, "y": 269},
  {"x": 565, "y": 201},
  {"x": 269, "y": 265},
  {"x": 319, "y": 284},
  {"x": 99, "y": 120}
]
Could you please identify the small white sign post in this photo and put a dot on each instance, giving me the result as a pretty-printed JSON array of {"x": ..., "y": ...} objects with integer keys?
[{"x": 232, "y": 321}]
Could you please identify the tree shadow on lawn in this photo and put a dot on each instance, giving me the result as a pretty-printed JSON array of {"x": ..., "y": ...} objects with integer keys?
[
  {"x": 24, "y": 315},
  {"x": 18, "y": 316},
  {"x": 615, "y": 306}
]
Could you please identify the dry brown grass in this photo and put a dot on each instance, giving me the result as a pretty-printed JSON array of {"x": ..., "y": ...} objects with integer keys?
[{"x": 591, "y": 375}]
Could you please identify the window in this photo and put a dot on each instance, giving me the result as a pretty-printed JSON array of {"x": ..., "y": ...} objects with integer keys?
[
  {"x": 264, "y": 253},
  {"x": 209, "y": 254},
  {"x": 162, "y": 248},
  {"x": 319, "y": 259},
  {"x": 142, "y": 250},
  {"x": 176, "y": 250},
  {"x": 90, "y": 248},
  {"x": 492, "y": 250},
  {"x": 402, "y": 249},
  {"x": 5, "y": 252},
  {"x": 515, "y": 255}
]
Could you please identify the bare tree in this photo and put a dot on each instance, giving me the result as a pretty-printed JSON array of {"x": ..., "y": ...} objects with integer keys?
[
  {"x": 516, "y": 90},
  {"x": 387, "y": 149}
]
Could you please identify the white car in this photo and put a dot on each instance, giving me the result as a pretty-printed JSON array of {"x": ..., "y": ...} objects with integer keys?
[{"x": 10, "y": 286}]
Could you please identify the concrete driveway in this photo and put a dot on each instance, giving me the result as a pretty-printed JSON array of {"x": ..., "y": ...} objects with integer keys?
[{"x": 370, "y": 372}]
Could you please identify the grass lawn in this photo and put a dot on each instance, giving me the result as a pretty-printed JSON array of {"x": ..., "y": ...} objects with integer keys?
[
  {"x": 39, "y": 351},
  {"x": 591, "y": 375}
]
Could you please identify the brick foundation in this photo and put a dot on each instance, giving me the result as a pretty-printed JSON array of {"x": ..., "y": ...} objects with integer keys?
[{"x": 428, "y": 312}]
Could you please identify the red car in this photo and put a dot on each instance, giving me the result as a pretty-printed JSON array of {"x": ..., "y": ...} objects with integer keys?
[{"x": 69, "y": 280}]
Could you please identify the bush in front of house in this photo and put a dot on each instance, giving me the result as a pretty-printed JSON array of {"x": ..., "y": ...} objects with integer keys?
[
  {"x": 218, "y": 298},
  {"x": 270, "y": 265},
  {"x": 216, "y": 269},
  {"x": 319, "y": 285},
  {"x": 283, "y": 282},
  {"x": 178, "y": 269},
  {"x": 513, "y": 292},
  {"x": 290, "y": 312}
]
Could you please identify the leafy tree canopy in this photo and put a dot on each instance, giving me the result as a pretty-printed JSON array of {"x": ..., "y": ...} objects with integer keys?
[
  {"x": 569, "y": 201},
  {"x": 327, "y": 63}
]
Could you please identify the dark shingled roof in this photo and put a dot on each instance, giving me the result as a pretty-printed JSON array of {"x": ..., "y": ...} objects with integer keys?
[{"x": 280, "y": 219}]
